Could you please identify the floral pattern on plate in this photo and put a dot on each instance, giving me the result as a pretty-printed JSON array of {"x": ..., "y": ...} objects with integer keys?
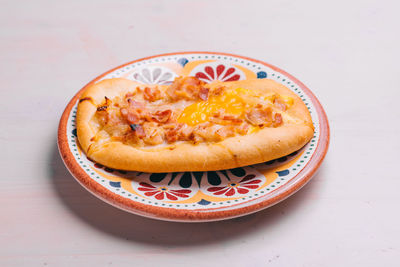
[
  {"x": 217, "y": 71},
  {"x": 249, "y": 182},
  {"x": 154, "y": 75}
]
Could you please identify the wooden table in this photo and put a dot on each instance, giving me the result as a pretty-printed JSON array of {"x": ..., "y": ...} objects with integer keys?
[{"x": 345, "y": 51}]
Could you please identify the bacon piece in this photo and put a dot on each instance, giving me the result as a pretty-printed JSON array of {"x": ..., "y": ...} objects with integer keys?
[
  {"x": 132, "y": 118},
  {"x": 195, "y": 138},
  {"x": 220, "y": 118},
  {"x": 136, "y": 104},
  {"x": 279, "y": 103},
  {"x": 204, "y": 131},
  {"x": 243, "y": 128},
  {"x": 171, "y": 136},
  {"x": 201, "y": 130},
  {"x": 260, "y": 116},
  {"x": 232, "y": 119},
  {"x": 173, "y": 88},
  {"x": 191, "y": 81},
  {"x": 124, "y": 112},
  {"x": 171, "y": 132},
  {"x": 190, "y": 88},
  {"x": 178, "y": 132},
  {"x": 138, "y": 130},
  {"x": 217, "y": 91},
  {"x": 172, "y": 126},
  {"x": 154, "y": 134},
  {"x": 277, "y": 120},
  {"x": 135, "y": 112},
  {"x": 203, "y": 94},
  {"x": 174, "y": 115},
  {"x": 161, "y": 116},
  {"x": 185, "y": 132},
  {"x": 225, "y": 131},
  {"x": 130, "y": 115},
  {"x": 151, "y": 94}
]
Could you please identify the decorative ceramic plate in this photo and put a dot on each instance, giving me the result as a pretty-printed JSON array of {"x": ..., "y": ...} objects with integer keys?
[{"x": 198, "y": 196}]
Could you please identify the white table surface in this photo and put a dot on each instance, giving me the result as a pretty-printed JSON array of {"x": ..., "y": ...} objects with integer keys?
[{"x": 346, "y": 52}]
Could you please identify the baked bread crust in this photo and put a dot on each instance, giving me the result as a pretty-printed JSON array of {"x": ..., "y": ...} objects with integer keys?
[{"x": 237, "y": 151}]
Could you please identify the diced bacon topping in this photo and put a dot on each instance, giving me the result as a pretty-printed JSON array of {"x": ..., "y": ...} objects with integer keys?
[
  {"x": 185, "y": 132},
  {"x": 151, "y": 94},
  {"x": 136, "y": 104},
  {"x": 130, "y": 115},
  {"x": 221, "y": 118},
  {"x": 205, "y": 131},
  {"x": 277, "y": 120},
  {"x": 124, "y": 112},
  {"x": 217, "y": 91},
  {"x": 260, "y": 116},
  {"x": 132, "y": 118},
  {"x": 243, "y": 128},
  {"x": 162, "y": 116},
  {"x": 279, "y": 103},
  {"x": 232, "y": 119},
  {"x": 189, "y": 88},
  {"x": 171, "y": 132},
  {"x": 154, "y": 134},
  {"x": 226, "y": 131},
  {"x": 138, "y": 130},
  {"x": 203, "y": 94},
  {"x": 171, "y": 136},
  {"x": 201, "y": 130}
]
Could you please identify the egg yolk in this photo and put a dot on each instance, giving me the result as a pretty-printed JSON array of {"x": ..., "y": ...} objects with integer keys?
[{"x": 230, "y": 102}]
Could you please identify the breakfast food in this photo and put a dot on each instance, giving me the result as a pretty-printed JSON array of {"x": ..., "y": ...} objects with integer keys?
[{"x": 190, "y": 125}]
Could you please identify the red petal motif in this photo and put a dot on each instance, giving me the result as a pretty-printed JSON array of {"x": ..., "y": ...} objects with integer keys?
[
  {"x": 179, "y": 195},
  {"x": 213, "y": 189},
  {"x": 183, "y": 191},
  {"x": 250, "y": 186},
  {"x": 201, "y": 75},
  {"x": 221, "y": 192},
  {"x": 149, "y": 194},
  {"x": 252, "y": 182},
  {"x": 147, "y": 189},
  {"x": 231, "y": 192},
  {"x": 247, "y": 177},
  {"x": 159, "y": 196},
  {"x": 146, "y": 185},
  {"x": 228, "y": 72},
  {"x": 171, "y": 197},
  {"x": 242, "y": 190},
  {"x": 220, "y": 69},
  {"x": 210, "y": 72}
]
